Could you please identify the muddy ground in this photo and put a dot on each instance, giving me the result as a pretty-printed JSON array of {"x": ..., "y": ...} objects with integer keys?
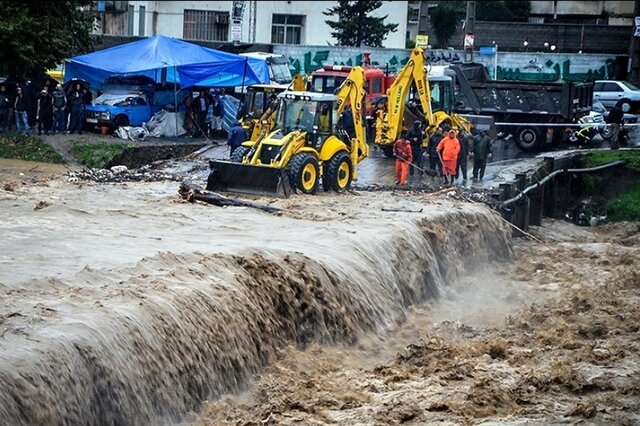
[{"x": 549, "y": 338}]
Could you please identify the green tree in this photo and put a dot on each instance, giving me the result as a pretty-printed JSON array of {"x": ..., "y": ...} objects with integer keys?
[
  {"x": 36, "y": 35},
  {"x": 493, "y": 10},
  {"x": 444, "y": 20},
  {"x": 520, "y": 10},
  {"x": 355, "y": 27},
  {"x": 505, "y": 11}
]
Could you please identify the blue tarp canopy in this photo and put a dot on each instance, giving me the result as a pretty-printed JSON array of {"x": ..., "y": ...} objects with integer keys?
[{"x": 166, "y": 59}]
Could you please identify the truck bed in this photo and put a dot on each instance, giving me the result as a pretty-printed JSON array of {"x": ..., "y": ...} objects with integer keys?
[{"x": 537, "y": 101}]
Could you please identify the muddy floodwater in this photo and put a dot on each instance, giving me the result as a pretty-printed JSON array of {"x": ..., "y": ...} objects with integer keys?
[{"x": 123, "y": 304}]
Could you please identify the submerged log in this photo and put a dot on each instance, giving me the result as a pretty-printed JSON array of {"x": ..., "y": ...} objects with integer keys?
[{"x": 192, "y": 192}]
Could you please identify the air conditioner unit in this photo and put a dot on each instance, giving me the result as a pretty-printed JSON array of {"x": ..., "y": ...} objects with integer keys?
[{"x": 222, "y": 18}]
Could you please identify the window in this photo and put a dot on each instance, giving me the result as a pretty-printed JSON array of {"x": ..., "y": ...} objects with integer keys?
[
  {"x": 598, "y": 87},
  {"x": 611, "y": 87},
  {"x": 630, "y": 85},
  {"x": 206, "y": 25},
  {"x": 376, "y": 86},
  {"x": 141, "y": 19},
  {"x": 286, "y": 29}
]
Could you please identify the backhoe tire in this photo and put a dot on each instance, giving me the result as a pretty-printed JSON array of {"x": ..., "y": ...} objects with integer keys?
[
  {"x": 239, "y": 154},
  {"x": 304, "y": 173},
  {"x": 338, "y": 172}
]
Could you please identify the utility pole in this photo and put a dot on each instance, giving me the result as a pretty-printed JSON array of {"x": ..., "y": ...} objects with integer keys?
[
  {"x": 252, "y": 20},
  {"x": 634, "y": 52},
  {"x": 423, "y": 19},
  {"x": 469, "y": 28}
]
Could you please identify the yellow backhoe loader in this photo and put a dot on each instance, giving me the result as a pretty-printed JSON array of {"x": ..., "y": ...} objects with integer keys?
[
  {"x": 308, "y": 146},
  {"x": 261, "y": 105},
  {"x": 414, "y": 75}
]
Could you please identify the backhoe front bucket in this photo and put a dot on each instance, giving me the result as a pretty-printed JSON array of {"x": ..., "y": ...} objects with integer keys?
[{"x": 248, "y": 179}]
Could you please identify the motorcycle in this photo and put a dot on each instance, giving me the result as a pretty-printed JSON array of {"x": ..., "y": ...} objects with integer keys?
[{"x": 590, "y": 127}]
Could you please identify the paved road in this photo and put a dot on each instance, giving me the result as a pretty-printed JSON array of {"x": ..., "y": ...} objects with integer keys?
[{"x": 507, "y": 160}]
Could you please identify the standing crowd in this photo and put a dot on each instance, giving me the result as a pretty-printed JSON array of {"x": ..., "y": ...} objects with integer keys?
[
  {"x": 48, "y": 112},
  {"x": 448, "y": 153}
]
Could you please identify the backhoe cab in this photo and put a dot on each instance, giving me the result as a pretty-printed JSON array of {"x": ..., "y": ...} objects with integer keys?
[
  {"x": 261, "y": 106},
  {"x": 307, "y": 147},
  {"x": 414, "y": 77}
]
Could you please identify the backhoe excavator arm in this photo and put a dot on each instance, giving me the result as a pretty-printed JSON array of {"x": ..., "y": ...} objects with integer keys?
[
  {"x": 414, "y": 72},
  {"x": 352, "y": 90}
]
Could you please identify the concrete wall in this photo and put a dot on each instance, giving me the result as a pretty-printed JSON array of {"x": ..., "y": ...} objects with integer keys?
[
  {"x": 166, "y": 18},
  {"x": 511, "y": 65},
  {"x": 566, "y": 37}
]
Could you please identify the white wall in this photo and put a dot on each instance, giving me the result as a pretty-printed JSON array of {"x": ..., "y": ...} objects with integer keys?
[
  {"x": 315, "y": 31},
  {"x": 583, "y": 7}
]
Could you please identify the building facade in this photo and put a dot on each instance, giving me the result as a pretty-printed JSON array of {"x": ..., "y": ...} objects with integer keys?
[{"x": 266, "y": 22}]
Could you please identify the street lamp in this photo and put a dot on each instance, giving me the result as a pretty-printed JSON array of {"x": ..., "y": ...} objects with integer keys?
[
  {"x": 525, "y": 44},
  {"x": 553, "y": 47}
]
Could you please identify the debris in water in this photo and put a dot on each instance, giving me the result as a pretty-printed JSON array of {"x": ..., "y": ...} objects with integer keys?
[{"x": 41, "y": 205}]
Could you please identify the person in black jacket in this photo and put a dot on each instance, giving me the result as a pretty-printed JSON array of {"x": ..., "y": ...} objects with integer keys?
[
  {"x": 466, "y": 140},
  {"x": 5, "y": 105},
  {"x": 415, "y": 136},
  {"x": 481, "y": 151},
  {"x": 200, "y": 107},
  {"x": 616, "y": 120},
  {"x": 44, "y": 114},
  {"x": 76, "y": 101},
  {"x": 434, "y": 160}
]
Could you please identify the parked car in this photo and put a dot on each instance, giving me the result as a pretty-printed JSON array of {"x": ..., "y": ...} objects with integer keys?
[
  {"x": 610, "y": 91},
  {"x": 129, "y": 101}
]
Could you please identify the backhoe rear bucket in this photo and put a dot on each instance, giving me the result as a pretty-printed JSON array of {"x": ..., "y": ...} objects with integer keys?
[{"x": 248, "y": 179}]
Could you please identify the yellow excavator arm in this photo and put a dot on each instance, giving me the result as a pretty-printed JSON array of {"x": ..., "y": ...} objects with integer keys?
[
  {"x": 414, "y": 72},
  {"x": 298, "y": 84},
  {"x": 352, "y": 90}
]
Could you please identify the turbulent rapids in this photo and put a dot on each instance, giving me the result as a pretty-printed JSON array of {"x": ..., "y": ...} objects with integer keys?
[{"x": 148, "y": 341}]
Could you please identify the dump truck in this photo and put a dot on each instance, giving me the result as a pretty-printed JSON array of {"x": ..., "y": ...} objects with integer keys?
[
  {"x": 528, "y": 105},
  {"x": 307, "y": 147},
  {"x": 415, "y": 95}
]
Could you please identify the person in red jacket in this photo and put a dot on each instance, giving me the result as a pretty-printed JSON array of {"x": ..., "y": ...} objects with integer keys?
[
  {"x": 404, "y": 157},
  {"x": 448, "y": 149}
]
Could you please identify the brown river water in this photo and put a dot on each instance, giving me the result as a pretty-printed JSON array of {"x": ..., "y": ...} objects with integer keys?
[{"x": 121, "y": 304}]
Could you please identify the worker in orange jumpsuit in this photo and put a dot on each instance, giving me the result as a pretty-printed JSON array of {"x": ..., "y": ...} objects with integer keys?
[
  {"x": 448, "y": 149},
  {"x": 404, "y": 157}
]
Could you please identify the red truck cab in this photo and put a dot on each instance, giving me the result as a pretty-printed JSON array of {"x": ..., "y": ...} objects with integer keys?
[{"x": 330, "y": 77}]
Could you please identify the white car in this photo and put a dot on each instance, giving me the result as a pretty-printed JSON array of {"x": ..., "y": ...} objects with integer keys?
[{"x": 609, "y": 92}]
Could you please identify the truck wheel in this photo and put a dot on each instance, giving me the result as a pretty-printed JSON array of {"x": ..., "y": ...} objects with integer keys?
[
  {"x": 121, "y": 121},
  {"x": 388, "y": 151},
  {"x": 239, "y": 154},
  {"x": 304, "y": 173},
  {"x": 339, "y": 172},
  {"x": 528, "y": 139}
]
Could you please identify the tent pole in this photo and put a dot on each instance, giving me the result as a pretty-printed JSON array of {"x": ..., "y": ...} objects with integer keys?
[
  {"x": 244, "y": 74},
  {"x": 175, "y": 97}
]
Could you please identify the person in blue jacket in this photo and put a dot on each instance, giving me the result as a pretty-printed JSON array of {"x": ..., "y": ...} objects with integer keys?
[{"x": 237, "y": 135}]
